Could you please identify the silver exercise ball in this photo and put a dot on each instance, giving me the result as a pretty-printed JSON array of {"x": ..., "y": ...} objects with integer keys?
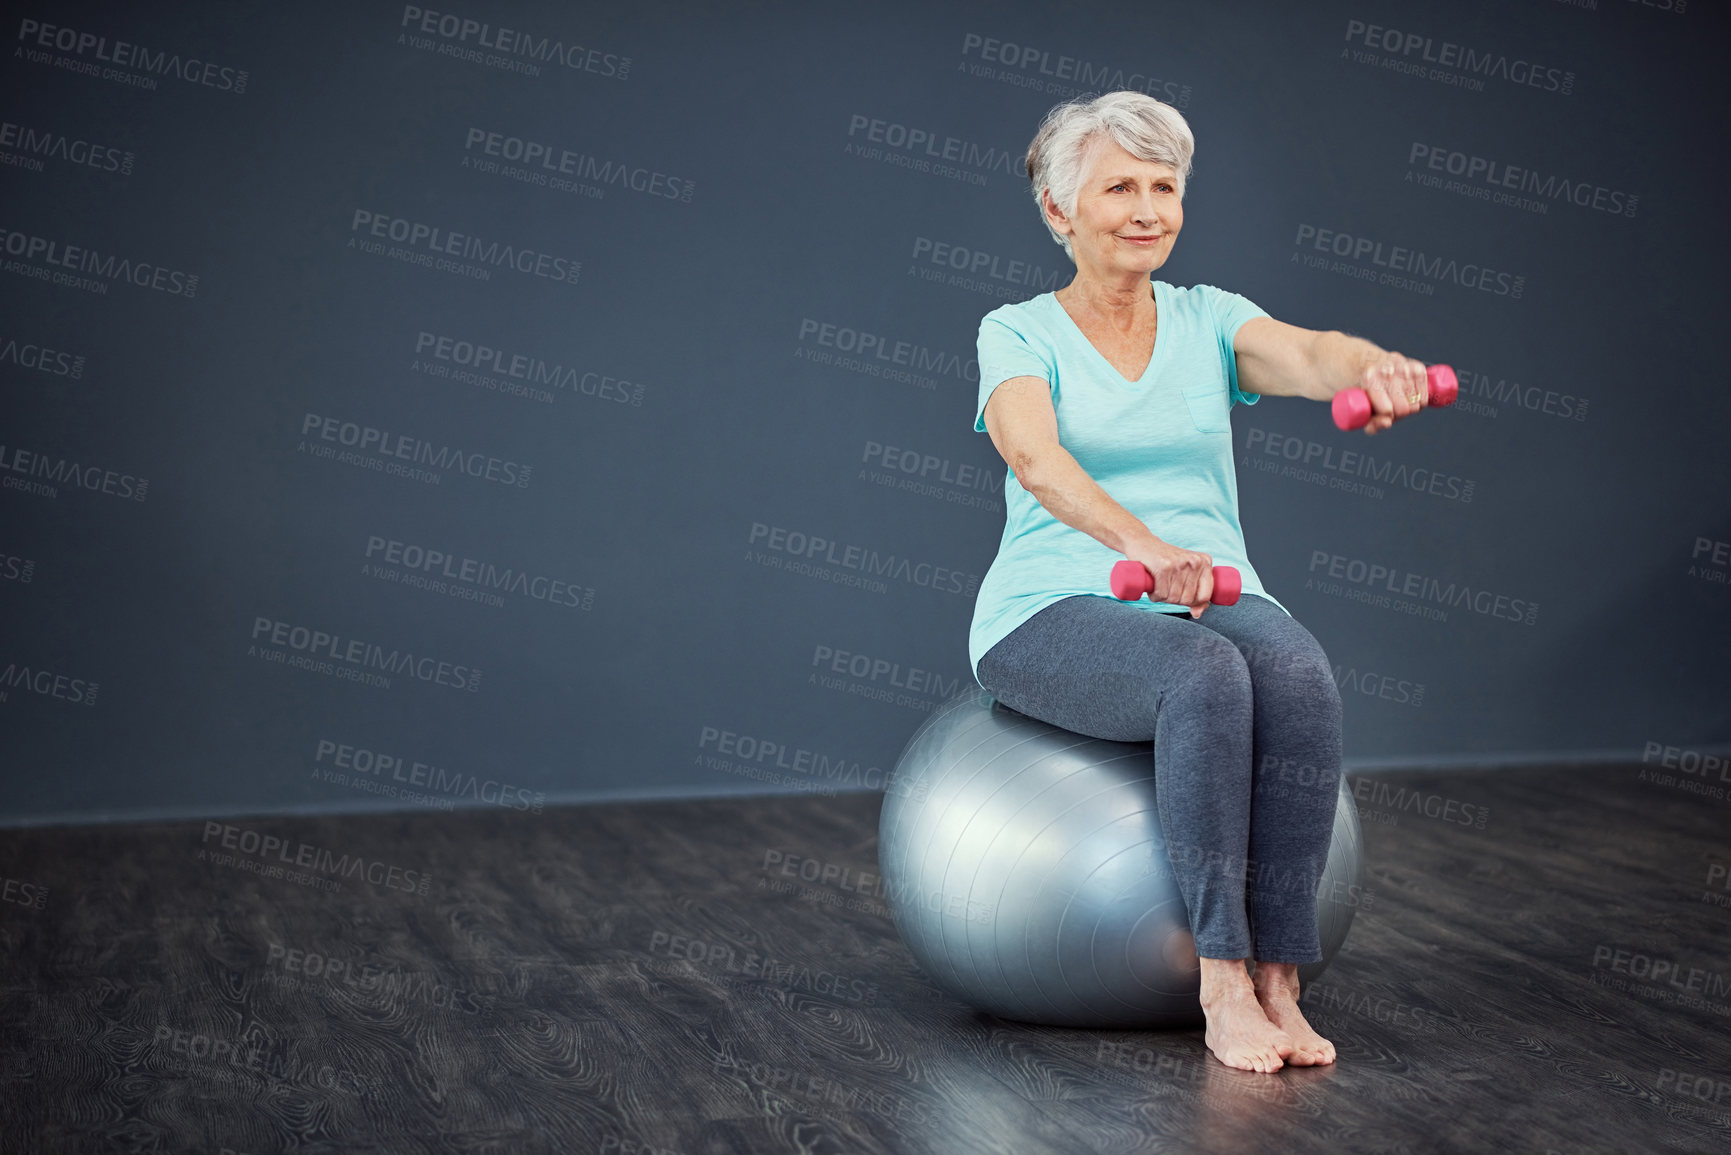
[{"x": 1026, "y": 870}]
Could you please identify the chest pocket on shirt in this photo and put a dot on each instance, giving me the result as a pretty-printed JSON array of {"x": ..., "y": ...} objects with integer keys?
[{"x": 1206, "y": 400}]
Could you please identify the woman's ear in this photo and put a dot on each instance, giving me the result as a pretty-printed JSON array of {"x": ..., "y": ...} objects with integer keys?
[{"x": 1054, "y": 215}]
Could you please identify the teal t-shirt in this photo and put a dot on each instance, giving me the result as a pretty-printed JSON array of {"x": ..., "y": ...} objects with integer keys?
[{"x": 1160, "y": 446}]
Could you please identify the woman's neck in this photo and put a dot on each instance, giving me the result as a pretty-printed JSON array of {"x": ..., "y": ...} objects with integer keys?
[{"x": 1120, "y": 302}]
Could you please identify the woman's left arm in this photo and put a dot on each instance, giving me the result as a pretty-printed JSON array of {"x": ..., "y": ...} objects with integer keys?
[{"x": 1280, "y": 360}]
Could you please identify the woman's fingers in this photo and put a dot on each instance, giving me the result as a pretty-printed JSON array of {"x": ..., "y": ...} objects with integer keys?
[
  {"x": 1411, "y": 388},
  {"x": 1375, "y": 381},
  {"x": 1382, "y": 386},
  {"x": 1187, "y": 581},
  {"x": 1418, "y": 383},
  {"x": 1172, "y": 590},
  {"x": 1397, "y": 387}
]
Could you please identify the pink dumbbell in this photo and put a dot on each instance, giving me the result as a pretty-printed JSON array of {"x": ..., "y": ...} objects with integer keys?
[
  {"x": 1352, "y": 406},
  {"x": 1131, "y": 580}
]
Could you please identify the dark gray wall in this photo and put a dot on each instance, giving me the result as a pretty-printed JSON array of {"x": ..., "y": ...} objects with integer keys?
[{"x": 721, "y": 200}]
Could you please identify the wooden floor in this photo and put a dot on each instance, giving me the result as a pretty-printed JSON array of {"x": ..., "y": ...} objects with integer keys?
[{"x": 642, "y": 979}]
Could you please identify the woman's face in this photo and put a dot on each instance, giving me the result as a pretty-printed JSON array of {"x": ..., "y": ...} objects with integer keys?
[{"x": 1127, "y": 213}]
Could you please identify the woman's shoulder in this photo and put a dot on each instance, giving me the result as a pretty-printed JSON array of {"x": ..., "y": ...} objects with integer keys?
[
  {"x": 1031, "y": 317},
  {"x": 1192, "y": 295},
  {"x": 1200, "y": 298},
  {"x": 1209, "y": 306}
]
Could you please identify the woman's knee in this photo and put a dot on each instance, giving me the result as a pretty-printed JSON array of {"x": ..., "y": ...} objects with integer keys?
[
  {"x": 1293, "y": 673},
  {"x": 1310, "y": 684},
  {"x": 1216, "y": 680}
]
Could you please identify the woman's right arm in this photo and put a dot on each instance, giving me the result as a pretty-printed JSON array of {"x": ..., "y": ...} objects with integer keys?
[{"x": 1024, "y": 428}]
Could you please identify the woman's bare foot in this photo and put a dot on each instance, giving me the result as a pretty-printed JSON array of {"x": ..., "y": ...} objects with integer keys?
[
  {"x": 1239, "y": 1032},
  {"x": 1276, "y": 986}
]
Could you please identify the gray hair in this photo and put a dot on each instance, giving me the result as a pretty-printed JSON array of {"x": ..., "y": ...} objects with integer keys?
[{"x": 1145, "y": 128}]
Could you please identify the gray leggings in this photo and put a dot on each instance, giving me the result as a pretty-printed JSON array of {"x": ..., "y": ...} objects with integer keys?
[{"x": 1245, "y": 719}]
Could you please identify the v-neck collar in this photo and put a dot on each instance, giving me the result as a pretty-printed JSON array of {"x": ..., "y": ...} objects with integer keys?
[{"x": 1161, "y": 312}]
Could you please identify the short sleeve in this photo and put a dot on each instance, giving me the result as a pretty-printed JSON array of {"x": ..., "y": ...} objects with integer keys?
[
  {"x": 1005, "y": 353},
  {"x": 1230, "y": 311}
]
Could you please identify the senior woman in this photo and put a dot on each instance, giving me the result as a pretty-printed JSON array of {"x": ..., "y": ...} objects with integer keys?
[{"x": 1109, "y": 401}]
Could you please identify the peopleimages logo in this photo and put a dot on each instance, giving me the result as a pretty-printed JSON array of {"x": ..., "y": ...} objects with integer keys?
[
  {"x": 367, "y": 439},
  {"x": 1352, "y": 463},
  {"x": 513, "y": 47},
  {"x": 831, "y": 667},
  {"x": 219, "y": 1058},
  {"x": 28, "y": 354},
  {"x": 1450, "y": 62},
  {"x": 369, "y": 975},
  {"x": 269, "y": 634},
  {"x": 813, "y": 550},
  {"x": 362, "y": 763},
  {"x": 1479, "y": 388},
  {"x": 41, "y": 473},
  {"x": 1350, "y": 680},
  {"x": 546, "y": 163},
  {"x": 484, "y": 577},
  {"x": 1514, "y": 185},
  {"x": 436, "y": 241},
  {"x": 1711, "y": 560},
  {"x": 928, "y": 144},
  {"x": 123, "y": 55},
  {"x": 102, "y": 268},
  {"x": 379, "y": 873},
  {"x": 524, "y": 370},
  {"x": 1388, "y": 587},
  {"x": 1067, "y": 73},
  {"x": 17, "y": 678},
  {"x": 878, "y": 349},
  {"x": 918, "y": 468},
  {"x": 948, "y": 263},
  {"x": 35, "y": 145},
  {"x": 1659, "y": 969},
  {"x": 1401, "y": 266},
  {"x": 17, "y": 569},
  {"x": 840, "y": 770}
]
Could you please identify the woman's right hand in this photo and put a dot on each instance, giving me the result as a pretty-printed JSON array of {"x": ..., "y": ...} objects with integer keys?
[{"x": 1181, "y": 576}]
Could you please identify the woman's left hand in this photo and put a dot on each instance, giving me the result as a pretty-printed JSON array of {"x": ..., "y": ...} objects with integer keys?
[{"x": 1396, "y": 386}]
